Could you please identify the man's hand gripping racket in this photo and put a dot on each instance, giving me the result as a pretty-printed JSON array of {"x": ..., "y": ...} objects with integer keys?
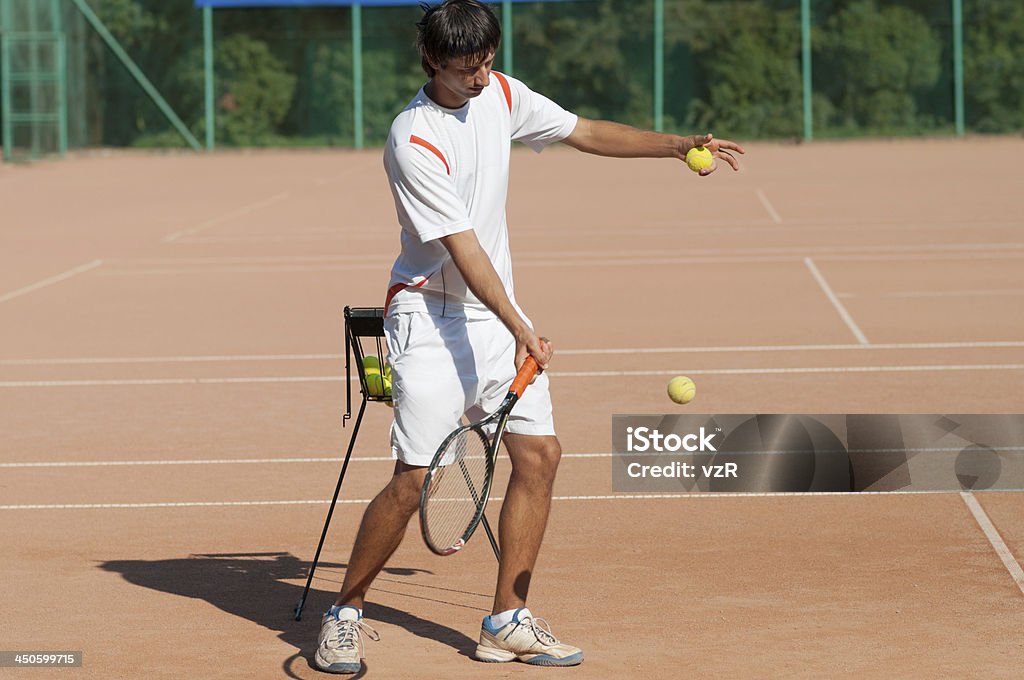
[{"x": 459, "y": 478}]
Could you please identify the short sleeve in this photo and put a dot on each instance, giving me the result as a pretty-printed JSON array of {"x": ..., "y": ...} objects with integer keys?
[
  {"x": 425, "y": 196},
  {"x": 536, "y": 120}
]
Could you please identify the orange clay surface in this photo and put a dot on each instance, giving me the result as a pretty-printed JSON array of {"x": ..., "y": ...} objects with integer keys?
[{"x": 172, "y": 384}]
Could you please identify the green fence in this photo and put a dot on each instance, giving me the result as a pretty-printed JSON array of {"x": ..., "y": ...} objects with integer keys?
[{"x": 284, "y": 76}]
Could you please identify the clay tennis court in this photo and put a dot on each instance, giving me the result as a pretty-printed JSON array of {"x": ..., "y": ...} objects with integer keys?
[{"x": 172, "y": 385}]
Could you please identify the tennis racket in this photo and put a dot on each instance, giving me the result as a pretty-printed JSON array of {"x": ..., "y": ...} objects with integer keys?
[{"x": 459, "y": 478}]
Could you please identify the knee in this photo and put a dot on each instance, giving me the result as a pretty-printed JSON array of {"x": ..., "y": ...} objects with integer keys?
[
  {"x": 403, "y": 491},
  {"x": 540, "y": 460}
]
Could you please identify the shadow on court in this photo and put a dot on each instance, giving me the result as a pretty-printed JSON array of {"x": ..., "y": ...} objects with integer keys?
[{"x": 252, "y": 586}]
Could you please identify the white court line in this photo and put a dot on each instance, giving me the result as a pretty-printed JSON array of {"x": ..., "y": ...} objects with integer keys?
[
  {"x": 172, "y": 381},
  {"x": 226, "y": 358},
  {"x": 784, "y": 371},
  {"x": 956, "y": 293},
  {"x": 636, "y": 253},
  {"x": 389, "y": 459},
  {"x": 1016, "y": 573},
  {"x": 50, "y": 281},
  {"x": 743, "y": 226},
  {"x": 215, "y": 461},
  {"x": 244, "y": 210},
  {"x": 241, "y": 461},
  {"x": 918, "y": 255},
  {"x": 172, "y": 360},
  {"x": 761, "y": 225},
  {"x": 366, "y": 501},
  {"x": 580, "y": 258},
  {"x": 768, "y": 206},
  {"x": 302, "y": 236},
  {"x": 266, "y": 259},
  {"x": 268, "y": 269},
  {"x": 939, "y": 368},
  {"x": 790, "y": 348},
  {"x": 861, "y": 338},
  {"x": 790, "y": 250}
]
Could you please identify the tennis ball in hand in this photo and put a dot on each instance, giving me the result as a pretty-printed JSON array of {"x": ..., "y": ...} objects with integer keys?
[
  {"x": 681, "y": 389},
  {"x": 698, "y": 158}
]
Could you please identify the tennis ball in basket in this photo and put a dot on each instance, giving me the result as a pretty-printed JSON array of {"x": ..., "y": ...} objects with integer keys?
[
  {"x": 681, "y": 389},
  {"x": 371, "y": 366},
  {"x": 698, "y": 158},
  {"x": 375, "y": 384},
  {"x": 387, "y": 370}
]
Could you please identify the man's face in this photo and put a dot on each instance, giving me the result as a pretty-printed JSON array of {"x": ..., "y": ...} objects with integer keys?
[{"x": 465, "y": 77}]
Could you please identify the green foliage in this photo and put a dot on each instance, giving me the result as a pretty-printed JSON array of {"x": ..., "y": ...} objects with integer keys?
[
  {"x": 391, "y": 68},
  {"x": 154, "y": 34},
  {"x": 591, "y": 57},
  {"x": 329, "y": 91},
  {"x": 994, "y": 64},
  {"x": 254, "y": 91},
  {"x": 284, "y": 75},
  {"x": 876, "y": 61},
  {"x": 747, "y": 69},
  {"x": 392, "y": 78}
]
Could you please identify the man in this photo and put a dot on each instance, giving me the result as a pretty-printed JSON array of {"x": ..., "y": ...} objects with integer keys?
[{"x": 455, "y": 334}]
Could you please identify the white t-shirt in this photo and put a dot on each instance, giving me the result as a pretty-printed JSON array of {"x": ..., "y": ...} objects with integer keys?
[{"x": 448, "y": 171}]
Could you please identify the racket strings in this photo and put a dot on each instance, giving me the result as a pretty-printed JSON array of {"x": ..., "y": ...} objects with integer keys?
[{"x": 456, "y": 492}]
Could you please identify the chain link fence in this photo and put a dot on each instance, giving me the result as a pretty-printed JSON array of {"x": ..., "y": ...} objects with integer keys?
[{"x": 290, "y": 76}]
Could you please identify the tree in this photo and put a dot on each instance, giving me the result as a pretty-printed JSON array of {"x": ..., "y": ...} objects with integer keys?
[
  {"x": 994, "y": 65},
  {"x": 591, "y": 57},
  {"x": 254, "y": 92},
  {"x": 872, "y": 62},
  {"x": 746, "y": 67}
]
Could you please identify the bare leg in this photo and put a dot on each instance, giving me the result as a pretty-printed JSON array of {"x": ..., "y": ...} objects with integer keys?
[
  {"x": 524, "y": 515},
  {"x": 381, "y": 532}
]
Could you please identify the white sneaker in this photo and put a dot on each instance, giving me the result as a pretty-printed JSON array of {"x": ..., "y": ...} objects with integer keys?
[
  {"x": 340, "y": 647},
  {"x": 527, "y": 639}
]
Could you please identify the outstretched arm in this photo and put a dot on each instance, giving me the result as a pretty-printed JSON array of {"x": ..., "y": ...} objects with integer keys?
[
  {"x": 605, "y": 138},
  {"x": 479, "y": 274}
]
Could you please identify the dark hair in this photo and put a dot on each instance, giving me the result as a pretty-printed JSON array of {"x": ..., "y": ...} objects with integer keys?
[{"x": 456, "y": 28}]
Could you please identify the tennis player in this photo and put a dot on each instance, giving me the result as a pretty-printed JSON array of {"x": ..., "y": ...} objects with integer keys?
[{"x": 455, "y": 333}]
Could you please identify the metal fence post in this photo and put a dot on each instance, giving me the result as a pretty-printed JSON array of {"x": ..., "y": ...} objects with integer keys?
[
  {"x": 506, "y": 37},
  {"x": 659, "y": 65},
  {"x": 208, "y": 78},
  {"x": 958, "y": 65},
  {"x": 805, "y": 33},
  {"x": 357, "y": 71}
]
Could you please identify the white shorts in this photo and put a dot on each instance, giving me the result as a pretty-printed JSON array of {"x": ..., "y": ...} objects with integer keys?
[{"x": 445, "y": 368}]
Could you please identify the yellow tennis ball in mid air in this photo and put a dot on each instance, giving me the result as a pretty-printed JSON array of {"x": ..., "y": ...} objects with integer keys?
[
  {"x": 698, "y": 158},
  {"x": 681, "y": 389}
]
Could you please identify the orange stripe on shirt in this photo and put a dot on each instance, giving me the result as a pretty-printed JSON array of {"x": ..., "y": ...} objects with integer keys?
[
  {"x": 398, "y": 288},
  {"x": 504, "y": 88},
  {"x": 413, "y": 139}
]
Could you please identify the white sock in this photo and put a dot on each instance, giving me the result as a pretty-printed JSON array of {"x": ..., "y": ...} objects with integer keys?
[
  {"x": 504, "y": 618},
  {"x": 336, "y": 611}
]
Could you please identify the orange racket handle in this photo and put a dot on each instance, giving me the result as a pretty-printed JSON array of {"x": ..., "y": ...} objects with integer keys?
[{"x": 524, "y": 376}]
